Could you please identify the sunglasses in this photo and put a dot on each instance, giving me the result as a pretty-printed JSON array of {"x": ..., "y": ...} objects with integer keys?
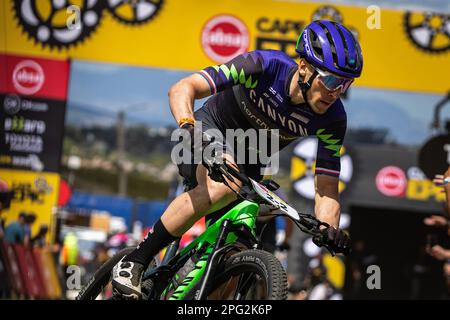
[{"x": 332, "y": 82}]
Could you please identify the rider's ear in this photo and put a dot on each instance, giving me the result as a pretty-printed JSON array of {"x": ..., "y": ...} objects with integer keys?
[{"x": 302, "y": 67}]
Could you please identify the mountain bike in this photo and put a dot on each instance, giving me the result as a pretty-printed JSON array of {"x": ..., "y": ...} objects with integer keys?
[{"x": 225, "y": 261}]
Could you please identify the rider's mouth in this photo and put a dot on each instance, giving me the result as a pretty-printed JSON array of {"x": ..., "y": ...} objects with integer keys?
[{"x": 325, "y": 102}]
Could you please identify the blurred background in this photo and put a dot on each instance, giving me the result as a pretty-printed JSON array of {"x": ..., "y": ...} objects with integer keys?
[{"x": 85, "y": 131}]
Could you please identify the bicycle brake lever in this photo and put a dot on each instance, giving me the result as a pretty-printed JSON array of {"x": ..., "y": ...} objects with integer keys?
[{"x": 332, "y": 252}]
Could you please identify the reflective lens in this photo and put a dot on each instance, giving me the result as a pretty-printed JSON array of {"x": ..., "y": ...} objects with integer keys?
[{"x": 332, "y": 82}]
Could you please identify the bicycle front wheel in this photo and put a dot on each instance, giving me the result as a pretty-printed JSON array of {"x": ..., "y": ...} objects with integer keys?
[
  {"x": 102, "y": 277},
  {"x": 250, "y": 275}
]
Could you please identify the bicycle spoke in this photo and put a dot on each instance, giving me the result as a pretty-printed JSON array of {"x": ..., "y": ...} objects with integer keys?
[{"x": 243, "y": 286}]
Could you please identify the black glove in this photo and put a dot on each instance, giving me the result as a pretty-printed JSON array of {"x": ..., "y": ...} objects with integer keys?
[
  {"x": 197, "y": 141},
  {"x": 200, "y": 141},
  {"x": 334, "y": 239}
]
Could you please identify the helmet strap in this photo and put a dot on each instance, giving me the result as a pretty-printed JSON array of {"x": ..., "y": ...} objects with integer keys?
[{"x": 305, "y": 86}]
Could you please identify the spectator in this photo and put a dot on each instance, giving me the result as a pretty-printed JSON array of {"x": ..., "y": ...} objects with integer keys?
[
  {"x": 442, "y": 221},
  {"x": 69, "y": 254},
  {"x": 439, "y": 253},
  {"x": 39, "y": 239},
  {"x": 6, "y": 196},
  {"x": 15, "y": 232},
  {"x": 30, "y": 218},
  {"x": 435, "y": 250},
  {"x": 439, "y": 222},
  {"x": 447, "y": 278},
  {"x": 5, "y": 201},
  {"x": 118, "y": 240}
]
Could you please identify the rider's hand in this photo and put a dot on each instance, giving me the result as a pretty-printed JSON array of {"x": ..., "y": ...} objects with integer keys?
[
  {"x": 335, "y": 239},
  {"x": 198, "y": 140},
  {"x": 208, "y": 148}
]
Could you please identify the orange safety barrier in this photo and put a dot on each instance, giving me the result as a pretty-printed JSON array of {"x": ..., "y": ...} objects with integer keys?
[
  {"x": 43, "y": 272},
  {"x": 50, "y": 273},
  {"x": 31, "y": 273}
]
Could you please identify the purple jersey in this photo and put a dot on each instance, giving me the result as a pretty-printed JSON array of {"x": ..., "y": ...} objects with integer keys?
[{"x": 252, "y": 91}]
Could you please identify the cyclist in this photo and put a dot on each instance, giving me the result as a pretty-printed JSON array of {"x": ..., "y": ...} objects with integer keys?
[{"x": 263, "y": 89}]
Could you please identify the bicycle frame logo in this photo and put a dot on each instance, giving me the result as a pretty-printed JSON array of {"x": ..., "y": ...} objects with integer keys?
[{"x": 60, "y": 24}]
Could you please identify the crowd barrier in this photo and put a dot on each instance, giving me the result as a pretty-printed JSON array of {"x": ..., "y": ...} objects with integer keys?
[{"x": 31, "y": 272}]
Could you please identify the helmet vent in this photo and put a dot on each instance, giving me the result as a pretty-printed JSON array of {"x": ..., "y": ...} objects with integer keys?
[{"x": 315, "y": 43}]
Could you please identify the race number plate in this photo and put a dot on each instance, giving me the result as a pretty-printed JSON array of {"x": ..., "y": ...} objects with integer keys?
[{"x": 275, "y": 200}]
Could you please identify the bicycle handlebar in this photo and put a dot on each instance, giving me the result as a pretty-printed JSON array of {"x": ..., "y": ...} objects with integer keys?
[{"x": 306, "y": 222}]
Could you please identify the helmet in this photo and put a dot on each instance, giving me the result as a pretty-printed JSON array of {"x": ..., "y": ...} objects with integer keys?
[{"x": 331, "y": 47}]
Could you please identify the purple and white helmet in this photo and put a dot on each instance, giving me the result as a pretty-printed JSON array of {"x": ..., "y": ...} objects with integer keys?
[{"x": 329, "y": 46}]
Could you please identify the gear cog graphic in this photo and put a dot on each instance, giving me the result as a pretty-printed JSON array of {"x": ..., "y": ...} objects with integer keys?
[
  {"x": 49, "y": 22},
  {"x": 134, "y": 12},
  {"x": 332, "y": 14},
  {"x": 429, "y": 31},
  {"x": 327, "y": 13}
]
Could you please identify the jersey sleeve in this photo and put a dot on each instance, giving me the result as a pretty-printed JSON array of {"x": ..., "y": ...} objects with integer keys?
[
  {"x": 330, "y": 140},
  {"x": 244, "y": 69}
]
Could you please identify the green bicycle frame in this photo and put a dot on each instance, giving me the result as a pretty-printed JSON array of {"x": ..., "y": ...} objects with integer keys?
[{"x": 245, "y": 213}]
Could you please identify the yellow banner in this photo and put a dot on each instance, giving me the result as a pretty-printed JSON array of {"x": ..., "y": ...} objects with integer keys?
[
  {"x": 34, "y": 192},
  {"x": 402, "y": 50}
]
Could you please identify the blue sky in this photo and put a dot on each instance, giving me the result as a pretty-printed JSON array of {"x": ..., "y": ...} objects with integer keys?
[
  {"x": 97, "y": 91},
  {"x": 140, "y": 91}
]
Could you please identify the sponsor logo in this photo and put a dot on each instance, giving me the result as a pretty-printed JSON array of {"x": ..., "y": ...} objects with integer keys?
[
  {"x": 276, "y": 33},
  {"x": 5, "y": 160},
  {"x": 306, "y": 42},
  {"x": 20, "y": 124},
  {"x": 415, "y": 186},
  {"x": 28, "y": 77},
  {"x": 282, "y": 34},
  {"x": 391, "y": 181},
  {"x": 32, "y": 161},
  {"x": 24, "y": 142},
  {"x": 286, "y": 122},
  {"x": 34, "y": 192},
  {"x": 13, "y": 104},
  {"x": 224, "y": 37}
]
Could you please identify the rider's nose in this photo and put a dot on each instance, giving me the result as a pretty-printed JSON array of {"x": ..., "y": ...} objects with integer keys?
[{"x": 335, "y": 94}]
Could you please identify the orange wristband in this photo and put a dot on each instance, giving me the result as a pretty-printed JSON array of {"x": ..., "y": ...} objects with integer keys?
[{"x": 186, "y": 120}]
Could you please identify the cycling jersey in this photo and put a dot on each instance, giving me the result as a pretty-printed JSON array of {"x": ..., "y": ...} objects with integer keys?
[{"x": 252, "y": 91}]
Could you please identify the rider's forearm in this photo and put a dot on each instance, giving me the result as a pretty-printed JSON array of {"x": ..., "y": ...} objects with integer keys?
[
  {"x": 181, "y": 100},
  {"x": 328, "y": 210},
  {"x": 327, "y": 207}
]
